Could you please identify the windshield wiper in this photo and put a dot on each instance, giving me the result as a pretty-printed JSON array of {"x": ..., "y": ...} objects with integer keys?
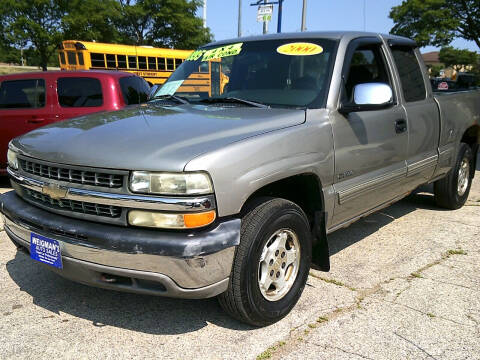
[
  {"x": 230, "y": 99},
  {"x": 179, "y": 99}
]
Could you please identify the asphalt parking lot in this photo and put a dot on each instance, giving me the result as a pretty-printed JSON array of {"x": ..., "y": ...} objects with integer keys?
[{"x": 405, "y": 284}]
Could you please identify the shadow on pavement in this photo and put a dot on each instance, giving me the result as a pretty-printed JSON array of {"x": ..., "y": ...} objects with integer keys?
[
  {"x": 157, "y": 315},
  {"x": 142, "y": 313},
  {"x": 421, "y": 198}
]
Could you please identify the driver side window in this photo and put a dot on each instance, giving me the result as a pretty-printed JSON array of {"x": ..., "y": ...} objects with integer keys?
[{"x": 367, "y": 66}]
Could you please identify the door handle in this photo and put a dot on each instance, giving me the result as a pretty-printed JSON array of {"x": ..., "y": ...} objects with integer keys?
[
  {"x": 400, "y": 126},
  {"x": 35, "y": 120}
]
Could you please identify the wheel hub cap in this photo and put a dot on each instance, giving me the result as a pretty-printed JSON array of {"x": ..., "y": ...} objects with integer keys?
[
  {"x": 278, "y": 264},
  {"x": 463, "y": 177}
]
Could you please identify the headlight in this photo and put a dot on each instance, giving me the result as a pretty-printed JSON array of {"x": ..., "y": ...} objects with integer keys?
[
  {"x": 12, "y": 159},
  {"x": 171, "y": 183},
  {"x": 170, "y": 221}
]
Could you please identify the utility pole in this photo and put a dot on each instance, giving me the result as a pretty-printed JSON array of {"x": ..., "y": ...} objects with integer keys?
[
  {"x": 364, "y": 15},
  {"x": 265, "y": 23},
  {"x": 239, "y": 18},
  {"x": 304, "y": 15},
  {"x": 204, "y": 13},
  {"x": 279, "y": 23}
]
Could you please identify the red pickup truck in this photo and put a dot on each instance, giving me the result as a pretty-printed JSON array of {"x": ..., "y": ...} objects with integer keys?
[{"x": 32, "y": 100}]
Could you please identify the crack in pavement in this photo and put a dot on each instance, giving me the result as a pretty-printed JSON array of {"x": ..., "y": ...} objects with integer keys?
[
  {"x": 417, "y": 346},
  {"x": 449, "y": 283},
  {"x": 362, "y": 295},
  {"x": 324, "y": 346},
  {"x": 422, "y": 312}
]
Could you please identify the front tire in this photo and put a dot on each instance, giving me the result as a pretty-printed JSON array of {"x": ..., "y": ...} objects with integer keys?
[
  {"x": 452, "y": 191},
  {"x": 271, "y": 263}
]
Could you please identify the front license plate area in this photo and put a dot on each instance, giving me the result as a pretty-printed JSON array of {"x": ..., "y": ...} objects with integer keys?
[{"x": 45, "y": 250}]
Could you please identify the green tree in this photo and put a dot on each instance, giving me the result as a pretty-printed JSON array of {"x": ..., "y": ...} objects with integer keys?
[
  {"x": 166, "y": 23},
  {"x": 435, "y": 70},
  {"x": 437, "y": 22},
  {"x": 32, "y": 22},
  {"x": 41, "y": 25},
  {"x": 90, "y": 20},
  {"x": 457, "y": 58}
]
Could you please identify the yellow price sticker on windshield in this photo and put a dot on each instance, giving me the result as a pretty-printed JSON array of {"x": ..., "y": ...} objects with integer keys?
[
  {"x": 300, "y": 49},
  {"x": 195, "y": 55},
  {"x": 222, "y": 51}
]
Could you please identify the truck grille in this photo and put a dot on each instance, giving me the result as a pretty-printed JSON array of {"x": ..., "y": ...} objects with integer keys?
[
  {"x": 73, "y": 205},
  {"x": 92, "y": 178}
]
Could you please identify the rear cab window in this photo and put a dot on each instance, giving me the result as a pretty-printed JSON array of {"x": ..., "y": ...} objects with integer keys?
[
  {"x": 410, "y": 73},
  {"x": 135, "y": 90},
  {"x": 22, "y": 94},
  {"x": 79, "y": 92}
]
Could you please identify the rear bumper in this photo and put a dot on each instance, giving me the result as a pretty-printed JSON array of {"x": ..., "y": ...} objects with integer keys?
[{"x": 174, "y": 264}]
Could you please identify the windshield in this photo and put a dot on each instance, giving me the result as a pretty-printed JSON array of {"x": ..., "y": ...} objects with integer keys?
[{"x": 276, "y": 72}]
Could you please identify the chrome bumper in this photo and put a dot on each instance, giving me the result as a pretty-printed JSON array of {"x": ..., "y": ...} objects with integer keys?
[{"x": 187, "y": 265}]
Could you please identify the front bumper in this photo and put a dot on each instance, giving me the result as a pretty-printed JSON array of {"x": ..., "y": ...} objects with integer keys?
[{"x": 175, "y": 264}]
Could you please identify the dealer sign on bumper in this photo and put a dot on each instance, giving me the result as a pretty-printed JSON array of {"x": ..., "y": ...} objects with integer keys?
[{"x": 45, "y": 250}]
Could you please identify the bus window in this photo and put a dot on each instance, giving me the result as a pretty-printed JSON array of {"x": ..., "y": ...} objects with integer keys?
[
  {"x": 132, "y": 62},
  {"x": 98, "y": 60},
  {"x": 161, "y": 63},
  {"x": 122, "y": 61},
  {"x": 72, "y": 59},
  {"x": 152, "y": 63},
  {"x": 142, "y": 62},
  {"x": 170, "y": 64},
  {"x": 203, "y": 68},
  {"x": 62, "y": 57},
  {"x": 178, "y": 62},
  {"x": 80, "y": 58},
  {"x": 111, "y": 61}
]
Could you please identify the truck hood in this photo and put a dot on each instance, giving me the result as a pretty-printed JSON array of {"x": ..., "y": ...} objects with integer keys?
[{"x": 150, "y": 137}]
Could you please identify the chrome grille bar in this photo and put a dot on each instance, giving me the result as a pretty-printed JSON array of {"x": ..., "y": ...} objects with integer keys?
[{"x": 92, "y": 178}]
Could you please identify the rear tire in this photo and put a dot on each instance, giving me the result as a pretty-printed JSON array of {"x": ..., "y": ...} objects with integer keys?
[
  {"x": 452, "y": 191},
  {"x": 271, "y": 263}
]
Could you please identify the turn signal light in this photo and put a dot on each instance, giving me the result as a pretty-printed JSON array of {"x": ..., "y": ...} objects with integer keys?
[{"x": 170, "y": 221}]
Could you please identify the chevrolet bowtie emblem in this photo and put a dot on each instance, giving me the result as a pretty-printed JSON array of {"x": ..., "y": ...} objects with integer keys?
[{"x": 56, "y": 192}]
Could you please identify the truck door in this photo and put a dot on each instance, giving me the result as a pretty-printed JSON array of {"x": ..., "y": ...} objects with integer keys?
[
  {"x": 422, "y": 115},
  {"x": 24, "y": 106},
  {"x": 370, "y": 146}
]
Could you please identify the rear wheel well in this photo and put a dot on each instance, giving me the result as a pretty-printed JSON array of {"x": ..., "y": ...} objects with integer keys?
[
  {"x": 472, "y": 137},
  {"x": 305, "y": 190}
]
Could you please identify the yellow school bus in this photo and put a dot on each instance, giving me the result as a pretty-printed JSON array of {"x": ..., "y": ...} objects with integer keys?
[{"x": 155, "y": 65}]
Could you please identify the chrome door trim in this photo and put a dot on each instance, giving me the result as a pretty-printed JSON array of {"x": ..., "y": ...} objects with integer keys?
[
  {"x": 419, "y": 166},
  {"x": 370, "y": 185}
]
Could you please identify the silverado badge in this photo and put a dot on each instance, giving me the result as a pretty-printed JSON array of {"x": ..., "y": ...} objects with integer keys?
[{"x": 56, "y": 192}]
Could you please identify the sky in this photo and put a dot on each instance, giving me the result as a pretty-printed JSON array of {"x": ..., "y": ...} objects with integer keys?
[{"x": 322, "y": 15}]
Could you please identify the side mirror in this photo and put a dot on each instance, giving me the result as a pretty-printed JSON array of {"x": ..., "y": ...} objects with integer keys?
[
  {"x": 370, "y": 96},
  {"x": 153, "y": 90}
]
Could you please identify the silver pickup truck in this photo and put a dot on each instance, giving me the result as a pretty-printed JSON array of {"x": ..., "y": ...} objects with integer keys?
[{"x": 228, "y": 181}]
